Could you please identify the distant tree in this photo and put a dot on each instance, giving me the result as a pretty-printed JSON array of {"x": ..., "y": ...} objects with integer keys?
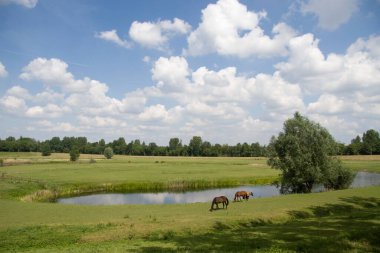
[
  {"x": 56, "y": 144},
  {"x": 74, "y": 154},
  {"x": 108, "y": 152},
  {"x": 371, "y": 142},
  {"x": 302, "y": 152},
  {"x": 195, "y": 146},
  {"x": 45, "y": 149},
  {"x": 355, "y": 147},
  {"x": 175, "y": 146}
]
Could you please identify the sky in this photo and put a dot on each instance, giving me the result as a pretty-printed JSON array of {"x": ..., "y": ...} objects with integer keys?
[{"x": 229, "y": 71}]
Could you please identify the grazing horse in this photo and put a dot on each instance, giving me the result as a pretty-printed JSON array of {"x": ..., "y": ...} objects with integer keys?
[
  {"x": 242, "y": 194},
  {"x": 218, "y": 200}
]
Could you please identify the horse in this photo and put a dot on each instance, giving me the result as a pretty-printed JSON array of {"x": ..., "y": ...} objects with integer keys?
[
  {"x": 218, "y": 200},
  {"x": 242, "y": 194}
]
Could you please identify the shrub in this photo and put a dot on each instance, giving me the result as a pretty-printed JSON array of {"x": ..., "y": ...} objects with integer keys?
[
  {"x": 45, "y": 150},
  {"x": 108, "y": 152},
  {"x": 74, "y": 154}
]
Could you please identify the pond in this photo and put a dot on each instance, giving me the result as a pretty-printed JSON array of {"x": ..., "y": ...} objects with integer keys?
[{"x": 362, "y": 179}]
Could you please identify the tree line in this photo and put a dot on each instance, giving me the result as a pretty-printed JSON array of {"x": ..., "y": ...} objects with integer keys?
[{"x": 367, "y": 144}]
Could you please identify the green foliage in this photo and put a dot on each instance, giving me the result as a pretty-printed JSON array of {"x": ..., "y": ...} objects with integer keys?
[
  {"x": 74, "y": 154},
  {"x": 302, "y": 152},
  {"x": 1, "y": 162},
  {"x": 195, "y": 146},
  {"x": 108, "y": 152},
  {"x": 45, "y": 149},
  {"x": 371, "y": 142}
]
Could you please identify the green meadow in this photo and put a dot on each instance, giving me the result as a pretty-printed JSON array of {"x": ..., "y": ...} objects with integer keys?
[{"x": 334, "y": 221}]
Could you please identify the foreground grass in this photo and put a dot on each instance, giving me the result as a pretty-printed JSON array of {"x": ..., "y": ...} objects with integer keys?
[{"x": 338, "y": 221}]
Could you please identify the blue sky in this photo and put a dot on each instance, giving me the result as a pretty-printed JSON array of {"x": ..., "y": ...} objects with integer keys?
[{"x": 230, "y": 71}]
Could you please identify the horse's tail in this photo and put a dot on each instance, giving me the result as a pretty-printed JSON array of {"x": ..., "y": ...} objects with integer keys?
[
  {"x": 227, "y": 202},
  {"x": 236, "y": 195}
]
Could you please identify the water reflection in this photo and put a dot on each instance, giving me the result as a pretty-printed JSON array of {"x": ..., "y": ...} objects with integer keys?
[{"x": 362, "y": 179}]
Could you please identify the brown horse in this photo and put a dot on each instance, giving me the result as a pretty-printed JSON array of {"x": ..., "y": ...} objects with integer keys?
[
  {"x": 242, "y": 194},
  {"x": 218, "y": 200}
]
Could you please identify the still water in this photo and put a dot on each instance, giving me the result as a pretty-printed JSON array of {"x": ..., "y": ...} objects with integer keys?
[{"x": 362, "y": 179}]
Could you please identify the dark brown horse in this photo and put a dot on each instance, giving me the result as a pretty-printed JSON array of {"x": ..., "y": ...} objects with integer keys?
[
  {"x": 242, "y": 194},
  {"x": 218, "y": 200}
]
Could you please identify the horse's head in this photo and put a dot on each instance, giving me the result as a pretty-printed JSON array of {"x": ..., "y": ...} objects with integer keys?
[{"x": 251, "y": 193}]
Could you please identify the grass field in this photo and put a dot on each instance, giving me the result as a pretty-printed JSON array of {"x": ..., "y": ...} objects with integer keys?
[{"x": 336, "y": 221}]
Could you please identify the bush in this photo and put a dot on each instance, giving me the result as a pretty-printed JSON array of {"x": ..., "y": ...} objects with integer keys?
[
  {"x": 108, "y": 152},
  {"x": 45, "y": 150},
  {"x": 74, "y": 154},
  {"x": 338, "y": 177}
]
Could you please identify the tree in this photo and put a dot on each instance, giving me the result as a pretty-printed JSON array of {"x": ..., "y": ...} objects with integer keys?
[
  {"x": 45, "y": 149},
  {"x": 175, "y": 146},
  {"x": 302, "y": 152},
  {"x": 371, "y": 142},
  {"x": 108, "y": 152},
  {"x": 195, "y": 146},
  {"x": 74, "y": 154},
  {"x": 355, "y": 147}
]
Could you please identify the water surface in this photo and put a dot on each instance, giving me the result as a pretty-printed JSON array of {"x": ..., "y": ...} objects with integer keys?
[{"x": 362, "y": 179}]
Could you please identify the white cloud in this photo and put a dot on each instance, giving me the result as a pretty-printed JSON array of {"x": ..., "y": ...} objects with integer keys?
[
  {"x": 48, "y": 111},
  {"x": 228, "y": 28},
  {"x": 156, "y": 35},
  {"x": 25, "y": 3},
  {"x": 357, "y": 70},
  {"x": 13, "y": 104},
  {"x": 52, "y": 72},
  {"x": 100, "y": 122},
  {"x": 154, "y": 112},
  {"x": 171, "y": 73},
  {"x": 331, "y": 14},
  {"x": 3, "y": 71},
  {"x": 18, "y": 91},
  {"x": 113, "y": 37},
  {"x": 330, "y": 104}
]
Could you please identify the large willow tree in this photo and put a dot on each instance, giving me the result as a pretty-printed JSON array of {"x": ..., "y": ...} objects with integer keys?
[{"x": 303, "y": 153}]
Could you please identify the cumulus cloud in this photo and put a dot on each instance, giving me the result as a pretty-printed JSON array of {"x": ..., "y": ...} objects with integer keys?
[
  {"x": 50, "y": 71},
  {"x": 3, "y": 71},
  {"x": 113, "y": 37},
  {"x": 229, "y": 28},
  {"x": 223, "y": 94},
  {"x": 357, "y": 70},
  {"x": 25, "y": 3},
  {"x": 48, "y": 111},
  {"x": 331, "y": 104},
  {"x": 330, "y": 14},
  {"x": 12, "y": 104},
  {"x": 20, "y": 92},
  {"x": 156, "y": 34},
  {"x": 171, "y": 73}
]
